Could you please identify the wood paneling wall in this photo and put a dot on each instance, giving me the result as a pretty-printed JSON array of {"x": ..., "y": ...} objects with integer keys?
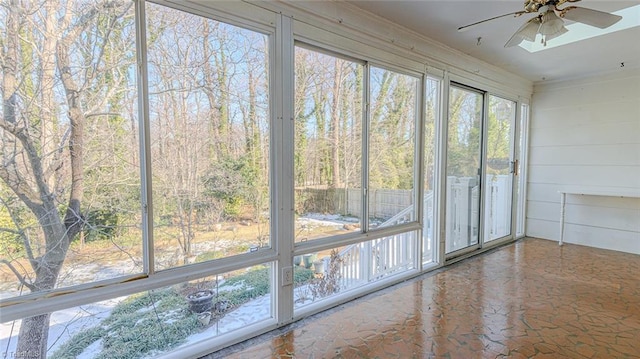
[{"x": 586, "y": 133}]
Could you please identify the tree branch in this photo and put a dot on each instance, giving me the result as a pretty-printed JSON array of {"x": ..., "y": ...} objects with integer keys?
[
  {"x": 20, "y": 277},
  {"x": 19, "y": 186},
  {"x": 21, "y": 232},
  {"x": 56, "y": 162}
]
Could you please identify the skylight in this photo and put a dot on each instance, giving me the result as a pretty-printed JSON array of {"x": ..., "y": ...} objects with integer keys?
[{"x": 578, "y": 32}]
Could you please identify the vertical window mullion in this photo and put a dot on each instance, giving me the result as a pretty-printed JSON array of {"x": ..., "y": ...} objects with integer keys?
[
  {"x": 144, "y": 139},
  {"x": 515, "y": 180},
  {"x": 439, "y": 156},
  {"x": 366, "y": 117},
  {"x": 420, "y": 117},
  {"x": 442, "y": 156},
  {"x": 484, "y": 130},
  {"x": 283, "y": 168}
]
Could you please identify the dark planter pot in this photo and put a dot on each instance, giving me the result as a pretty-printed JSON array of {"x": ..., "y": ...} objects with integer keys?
[{"x": 200, "y": 301}]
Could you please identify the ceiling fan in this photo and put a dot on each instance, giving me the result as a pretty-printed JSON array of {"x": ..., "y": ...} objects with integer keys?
[{"x": 548, "y": 20}]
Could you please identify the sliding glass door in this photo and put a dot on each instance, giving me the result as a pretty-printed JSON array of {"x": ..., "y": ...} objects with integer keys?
[
  {"x": 480, "y": 169},
  {"x": 500, "y": 167}
]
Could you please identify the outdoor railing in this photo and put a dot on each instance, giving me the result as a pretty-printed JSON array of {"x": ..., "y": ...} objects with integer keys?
[
  {"x": 371, "y": 260},
  {"x": 367, "y": 261}
]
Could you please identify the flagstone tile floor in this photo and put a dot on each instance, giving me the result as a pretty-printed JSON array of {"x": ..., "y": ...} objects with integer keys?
[{"x": 530, "y": 299}]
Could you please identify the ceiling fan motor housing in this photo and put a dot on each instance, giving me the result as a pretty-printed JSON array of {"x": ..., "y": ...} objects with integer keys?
[
  {"x": 535, "y": 5},
  {"x": 531, "y": 6}
]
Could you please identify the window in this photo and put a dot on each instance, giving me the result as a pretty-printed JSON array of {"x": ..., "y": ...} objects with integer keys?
[
  {"x": 521, "y": 156},
  {"x": 322, "y": 275},
  {"x": 154, "y": 322},
  {"x": 328, "y": 145},
  {"x": 70, "y": 184},
  {"x": 329, "y": 138},
  {"x": 209, "y": 123},
  {"x": 432, "y": 115},
  {"x": 394, "y": 111},
  {"x": 72, "y": 173}
]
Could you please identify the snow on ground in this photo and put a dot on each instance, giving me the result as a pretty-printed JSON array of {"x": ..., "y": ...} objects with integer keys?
[
  {"x": 249, "y": 313},
  {"x": 66, "y": 323},
  {"x": 310, "y": 221},
  {"x": 327, "y": 219}
]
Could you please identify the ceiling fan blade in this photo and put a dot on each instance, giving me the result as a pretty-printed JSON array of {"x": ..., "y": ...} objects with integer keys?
[
  {"x": 515, "y": 40},
  {"x": 527, "y": 31},
  {"x": 467, "y": 27},
  {"x": 591, "y": 17}
]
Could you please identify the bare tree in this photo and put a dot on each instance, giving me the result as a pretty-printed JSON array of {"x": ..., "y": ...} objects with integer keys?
[
  {"x": 208, "y": 112},
  {"x": 42, "y": 149}
]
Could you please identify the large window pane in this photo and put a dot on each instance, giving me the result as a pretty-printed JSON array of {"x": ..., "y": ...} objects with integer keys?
[
  {"x": 70, "y": 185},
  {"x": 391, "y": 147},
  {"x": 208, "y": 84},
  {"x": 431, "y": 117},
  {"x": 328, "y": 145},
  {"x": 463, "y": 167},
  {"x": 154, "y": 322}
]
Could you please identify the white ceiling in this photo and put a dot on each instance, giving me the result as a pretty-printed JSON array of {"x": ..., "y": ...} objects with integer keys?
[{"x": 439, "y": 20}]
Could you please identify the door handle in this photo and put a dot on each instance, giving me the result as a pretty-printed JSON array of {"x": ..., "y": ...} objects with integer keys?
[{"x": 514, "y": 167}]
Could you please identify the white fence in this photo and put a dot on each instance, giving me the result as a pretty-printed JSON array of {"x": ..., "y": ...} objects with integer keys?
[{"x": 383, "y": 203}]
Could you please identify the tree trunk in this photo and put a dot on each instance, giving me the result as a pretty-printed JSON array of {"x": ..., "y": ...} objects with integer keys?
[
  {"x": 34, "y": 331},
  {"x": 32, "y": 342},
  {"x": 28, "y": 179}
]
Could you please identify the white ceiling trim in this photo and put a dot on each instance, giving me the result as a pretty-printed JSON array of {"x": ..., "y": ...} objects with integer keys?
[{"x": 349, "y": 20}]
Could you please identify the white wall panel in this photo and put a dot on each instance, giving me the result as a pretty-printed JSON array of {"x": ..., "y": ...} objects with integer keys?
[
  {"x": 593, "y": 176},
  {"x": 586, "y": 134},
  {"x": 584, "y": 235},
  {"x": 603, "y": 238},
  {"x": 544, "y": 211},
  {"x": 598, "y": 155},
  {"x": 591, "y": 131},
  {"x": 541, "y": 228}
]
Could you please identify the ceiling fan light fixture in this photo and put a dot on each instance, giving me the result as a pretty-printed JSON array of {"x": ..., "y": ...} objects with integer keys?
[
  {"x": 563, "y": 30},
  {"x": 551, "y": 23}
]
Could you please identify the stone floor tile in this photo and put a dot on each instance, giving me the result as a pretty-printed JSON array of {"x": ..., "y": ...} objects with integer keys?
[{"x": 530, "y": 299}]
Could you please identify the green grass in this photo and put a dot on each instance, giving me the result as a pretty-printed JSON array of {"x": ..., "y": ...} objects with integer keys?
[
  {"x": 255, "y": 283},
  {"x": 142, "y": 323}
]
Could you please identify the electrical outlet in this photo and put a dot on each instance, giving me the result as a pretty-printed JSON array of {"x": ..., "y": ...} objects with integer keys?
[{"x": 287, "y": 276}]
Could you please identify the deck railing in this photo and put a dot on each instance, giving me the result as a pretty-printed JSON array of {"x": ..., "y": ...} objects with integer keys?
[{"x": 371, "y": 260}]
